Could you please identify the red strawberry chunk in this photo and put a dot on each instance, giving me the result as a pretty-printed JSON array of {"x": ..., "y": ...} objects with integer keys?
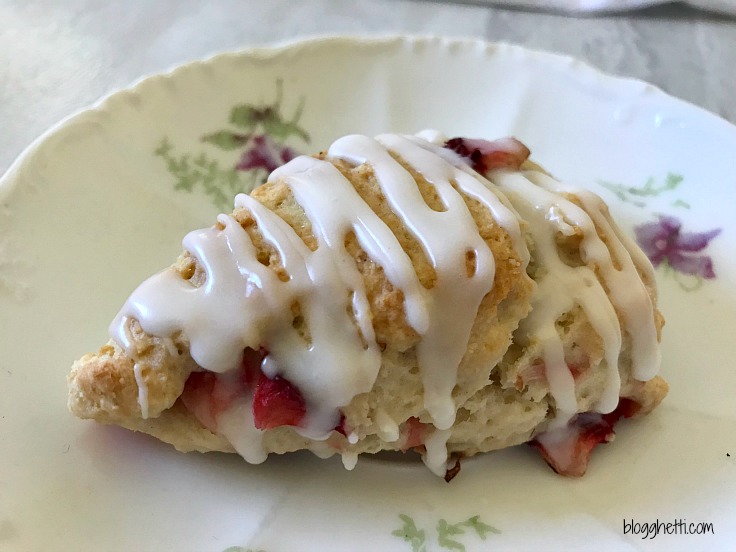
[
  {"x": 276, "y": 402},
  {"x": 568, "y": 452},
  {"x": 207, "y": 395},
  {"x": 197, "y": 397},
  {"x": 484, "y": 155}
]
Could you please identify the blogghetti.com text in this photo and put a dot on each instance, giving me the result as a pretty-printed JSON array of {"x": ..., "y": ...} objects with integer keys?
[{"x": 680, "y": 526}]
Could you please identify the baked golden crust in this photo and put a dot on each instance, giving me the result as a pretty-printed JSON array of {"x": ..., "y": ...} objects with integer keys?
[{"x": 502, "y": 396}]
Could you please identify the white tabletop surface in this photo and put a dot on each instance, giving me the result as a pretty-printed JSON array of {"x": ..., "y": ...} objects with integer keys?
[{"x": 58, "y": 57}]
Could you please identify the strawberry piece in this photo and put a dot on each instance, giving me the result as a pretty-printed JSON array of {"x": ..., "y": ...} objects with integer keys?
[
  {"x": 276, "y": 402},
  {"x": 538, "y": 372},
  {"x": 577, "y": 369},
  {"x": 341, "y": 427},
  {"x": 484, "y": 155},
  {"x": 207, "y": 395},
  {"x": 197, "y": 397},
  {"x": 415, "y": 432},
  {"x": 530, "y": 374},
  {"x": 568, "y": 452}
]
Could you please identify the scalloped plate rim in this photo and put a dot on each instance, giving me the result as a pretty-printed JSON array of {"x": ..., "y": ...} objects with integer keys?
[{"x": 272, "y": 50}]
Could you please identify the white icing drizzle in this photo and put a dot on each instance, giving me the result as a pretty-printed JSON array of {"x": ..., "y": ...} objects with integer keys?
[
  {"x": 333, "y": 215},
  {"x": 431, "y": 135},
  {"x": 322, "y": 449},
  {"x": 604, "y": 296},
  {"x": 142, "y": 390},
  {"x": 483, "y": 190},
  {"x": 236, "y": 425},
  {"x": 220, "y": 318},
  {"x": 388, "y": 429},
  {"x": 340, "y": 361},
  {"x": 627, "y": 291},
  {"x": 435, "y": 456},
  {"x": 243, "y": 303},
  {"x": 445, "y": 236},
  {"x": 349, "y": 460}
]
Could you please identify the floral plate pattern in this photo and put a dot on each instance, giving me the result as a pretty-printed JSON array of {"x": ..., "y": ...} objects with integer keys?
[{"x": 104, "y": 199}]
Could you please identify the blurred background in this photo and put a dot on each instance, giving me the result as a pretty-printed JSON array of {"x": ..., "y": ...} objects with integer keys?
[{"x": 59, "y": 57}]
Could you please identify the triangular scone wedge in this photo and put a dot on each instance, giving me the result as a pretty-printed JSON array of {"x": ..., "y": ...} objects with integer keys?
[{"x": 382, "y": 296}]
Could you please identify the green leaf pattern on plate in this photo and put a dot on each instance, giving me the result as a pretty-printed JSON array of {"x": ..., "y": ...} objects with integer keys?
[
  {"x": 449, "y": 535},
  {"x": 411, "y": 534},
  {"x": 257, "y": 139},
  {"x": 634, "y": 195}
]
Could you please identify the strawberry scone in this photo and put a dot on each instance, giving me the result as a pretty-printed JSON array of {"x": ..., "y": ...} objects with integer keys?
[{"x": 390, "y": 293}]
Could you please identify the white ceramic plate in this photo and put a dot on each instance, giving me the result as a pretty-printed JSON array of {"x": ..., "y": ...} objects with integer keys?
[{"x": 103, "y": 200}]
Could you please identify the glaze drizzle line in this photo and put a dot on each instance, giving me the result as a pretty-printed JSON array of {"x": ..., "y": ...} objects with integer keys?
[{"x": 243, "y": 303}]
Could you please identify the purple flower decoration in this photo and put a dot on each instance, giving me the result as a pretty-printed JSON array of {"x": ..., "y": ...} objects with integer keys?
[
  {"x": 663, "y": 242},
  {"x": 264, "y": 153}
]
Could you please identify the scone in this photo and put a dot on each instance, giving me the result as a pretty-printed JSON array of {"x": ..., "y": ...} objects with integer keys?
[{"x": 396, "y": 293}]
